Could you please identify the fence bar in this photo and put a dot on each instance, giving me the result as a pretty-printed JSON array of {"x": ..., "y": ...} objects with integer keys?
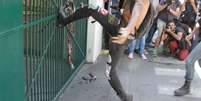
[{"x": 45, "y": 51}]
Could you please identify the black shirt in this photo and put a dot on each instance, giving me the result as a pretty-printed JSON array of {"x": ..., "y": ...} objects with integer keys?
[{"x": 163, "y": 14}]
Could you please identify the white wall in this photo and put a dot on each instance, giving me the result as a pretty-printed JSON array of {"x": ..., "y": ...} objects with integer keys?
[{"x": 94, "y": 35}]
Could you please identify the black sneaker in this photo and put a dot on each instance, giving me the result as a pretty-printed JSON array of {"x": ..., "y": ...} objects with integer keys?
[
  {"x": 60, "y": 17},
  {"x": 185, "y": 89}
]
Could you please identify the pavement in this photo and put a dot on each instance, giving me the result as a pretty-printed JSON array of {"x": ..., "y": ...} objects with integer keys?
[{"x": 148, "y": 80}]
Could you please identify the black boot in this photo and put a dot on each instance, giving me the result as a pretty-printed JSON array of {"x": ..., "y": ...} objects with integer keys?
[
  {"x": 128, "y": 98},
  {"x": 60, "y": 17},
  {"x": 185, "y": 89},
  {"x": 63, "y": 12}
]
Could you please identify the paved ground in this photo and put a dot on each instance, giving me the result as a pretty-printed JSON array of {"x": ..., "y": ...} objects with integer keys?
[{"x": 147, "y": 80}]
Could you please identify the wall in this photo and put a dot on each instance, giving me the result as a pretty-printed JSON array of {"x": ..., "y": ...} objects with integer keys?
[
  {"x": 11, "y": 51},
  {"x": 94, "y": 35}
]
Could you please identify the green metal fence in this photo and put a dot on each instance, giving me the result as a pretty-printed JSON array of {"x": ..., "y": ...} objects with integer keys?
[
  {"x": 43, "y": 49},
  {"x": 11, "y": 51}
]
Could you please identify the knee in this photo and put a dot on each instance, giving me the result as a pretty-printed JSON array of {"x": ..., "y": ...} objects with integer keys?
[
  {"x": 183, "y": 54},
  {"x": 173, "y": 46},
  {"x": 189, "y": 62}
]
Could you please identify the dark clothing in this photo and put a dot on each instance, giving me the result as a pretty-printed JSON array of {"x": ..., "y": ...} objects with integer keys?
[
  {"x": 181, "y": 53},
  {"x": 163, "y": 14},
  {"x": 86, "y": 12},
  {"x": 198, "y": 35},
  {"x": 128, "y": 4},
  {"x": 151, "y": 32},
  {"x": 174, "y": 7},
  {"x": 116, "y": 51},
  {"x": 196, "y": 40},
  {"x": 108, "y": 21},
  {"x": 188, "y": 16},
  {"x": 185, "y": 27},
  {"x": 182, "y": 44},
  {"x": 121, "y": 3},
  {"x": 194, "y": 54},
  {"x": 180, "y": 48},
  {"x": 180, "y": 29}
]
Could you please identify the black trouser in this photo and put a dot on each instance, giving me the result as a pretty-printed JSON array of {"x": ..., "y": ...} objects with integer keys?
[
  {"x": 86, "y": 12},
  {"x": 151, "y": 32},
  {"x": 116, "y": 51}
]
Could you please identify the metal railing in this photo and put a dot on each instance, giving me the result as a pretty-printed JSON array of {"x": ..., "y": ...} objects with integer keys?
[{"x": 47, "y": 67}]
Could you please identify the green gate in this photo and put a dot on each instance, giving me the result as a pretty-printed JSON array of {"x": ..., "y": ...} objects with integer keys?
[
  {"x": 34, "y": 53},
  {"x": 11, "y": 51}
]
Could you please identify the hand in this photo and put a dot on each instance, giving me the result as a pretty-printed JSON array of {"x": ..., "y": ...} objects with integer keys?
[
  {"x": 120, "y": 39},
  {"x": 168, "y": 8},
  {"x": 168, "y": 30},
  {"x": 189, "y": 37},
  {"x": 188, "y": 41},
  {"x": 103, "y": 11}
]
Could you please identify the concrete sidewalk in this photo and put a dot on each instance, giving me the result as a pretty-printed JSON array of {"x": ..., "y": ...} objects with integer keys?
[{"x": 147, "y": 81}]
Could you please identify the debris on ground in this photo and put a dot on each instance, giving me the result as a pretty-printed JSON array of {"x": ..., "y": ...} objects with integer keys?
[{"x": 89, "y": 78}]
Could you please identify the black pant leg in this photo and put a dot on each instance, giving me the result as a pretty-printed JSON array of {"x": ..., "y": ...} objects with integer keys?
[
  {"x": 86, "y": 12},
  {"x": 116, "y": 52}
]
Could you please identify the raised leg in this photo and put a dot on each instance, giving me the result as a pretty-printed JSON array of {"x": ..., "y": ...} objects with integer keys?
[{"x": 86, "y": 12}]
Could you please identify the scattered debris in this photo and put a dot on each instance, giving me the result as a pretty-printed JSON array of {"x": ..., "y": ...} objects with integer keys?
[
  {"x": 93, "y": 77},
  {"x": 89, "y": 78}
]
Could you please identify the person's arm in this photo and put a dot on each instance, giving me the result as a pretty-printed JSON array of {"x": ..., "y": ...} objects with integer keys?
[
  {"x": 175, "y": 13},
  {"x": 195, "y": 30},
  {"x": 138, "y": 14},
  {"x": 161, "y": 7},
  {"x": 139, "y": 11},
  {"x": 177, "y": 36},
  {"x": 194, "y": 5}
]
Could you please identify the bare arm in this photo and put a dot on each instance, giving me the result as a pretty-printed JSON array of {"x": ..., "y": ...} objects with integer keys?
[
  {"x": 139, "y": 11},
  {"x": 161, "y": 7},
  {"x": 193, "y": 4},
  {"x": 138, "y": 14},
  {"x": 175, "y": 13},
  {"x": 177, "y": 36}
]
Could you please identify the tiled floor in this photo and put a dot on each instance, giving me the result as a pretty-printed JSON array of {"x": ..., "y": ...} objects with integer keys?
[{"x": 153, "y": 80}]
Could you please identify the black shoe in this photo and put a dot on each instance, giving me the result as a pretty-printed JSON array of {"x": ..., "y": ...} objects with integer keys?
[
  {"x": 63, "y": 12},
  {"x": 185, "y": 89},
  {"x": 60, "y": 17},
  {"x": 128, "y": 98}
]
